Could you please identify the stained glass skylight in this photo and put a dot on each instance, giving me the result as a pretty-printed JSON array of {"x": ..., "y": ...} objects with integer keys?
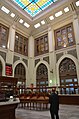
[{"x": 33, "y": 7}]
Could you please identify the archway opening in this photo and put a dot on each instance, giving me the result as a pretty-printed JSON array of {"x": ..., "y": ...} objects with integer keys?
[
  {"x": 21, "y": 75},
  {"x": 68, "y": 77},
  {"x": 42, "y": 77}
]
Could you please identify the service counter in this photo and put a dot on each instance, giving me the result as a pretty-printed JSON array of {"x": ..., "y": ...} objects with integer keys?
[
  {"x": 42, "y": 102},
  {"x": 7, "y": 109},
  {"x": 72, "y": 99},
  {"x": 35, "y": 103}
]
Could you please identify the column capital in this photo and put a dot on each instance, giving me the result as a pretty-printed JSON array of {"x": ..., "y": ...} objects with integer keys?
[
  {"x": 49, "y": 27},
  {"x": 13, "y": 26},
  {"x": 31, "y": 37},
  {"x": 75, "y": 15}
]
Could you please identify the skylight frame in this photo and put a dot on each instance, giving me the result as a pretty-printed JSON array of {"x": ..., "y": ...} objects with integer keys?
[{"x": 40, "y": 4}]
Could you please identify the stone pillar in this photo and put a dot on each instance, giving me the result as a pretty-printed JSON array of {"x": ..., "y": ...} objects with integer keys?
[
  {"x": 76, "y": 32},
  {"x": 31, "y": 47},
  {"x": 11, "y": 41},
  {"x": 52, "y": 57},
  {"x": 30, "y": 61}
]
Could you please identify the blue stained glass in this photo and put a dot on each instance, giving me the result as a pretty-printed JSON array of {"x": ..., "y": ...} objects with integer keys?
[
  {"x": 44, "y": 6},
  {"x": 39, "y": 5},
  {"x": 36, "y": 0},
  {"x": 19, "y": 3},
  {"x": 30, "y": 0}
]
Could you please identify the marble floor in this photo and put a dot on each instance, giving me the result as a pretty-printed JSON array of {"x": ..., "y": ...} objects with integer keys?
[{"x": 65, "y": 112}]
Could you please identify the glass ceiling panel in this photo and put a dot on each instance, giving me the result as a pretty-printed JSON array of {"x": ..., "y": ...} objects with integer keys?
[{"x": 33, "y": 7}]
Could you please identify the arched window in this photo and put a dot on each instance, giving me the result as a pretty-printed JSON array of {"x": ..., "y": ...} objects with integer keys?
[
  {"x": 42, "y": 76},
  {"x": 68, "y": 76},
  {"x": 20, "y": 74}
]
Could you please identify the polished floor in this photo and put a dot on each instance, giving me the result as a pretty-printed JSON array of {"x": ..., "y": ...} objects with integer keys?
[{"x": 65, "y": 112}]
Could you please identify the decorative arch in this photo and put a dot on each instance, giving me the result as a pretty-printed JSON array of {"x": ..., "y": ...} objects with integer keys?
[
  {"x": 59, "y": 61},
  {"x": 68, "y": 56},
  {"x": 68, "y": 77},
  {"x": 16, "y": 63},
  {"x": 21, "y": 76},
  {"x": 43, "y": 78}
]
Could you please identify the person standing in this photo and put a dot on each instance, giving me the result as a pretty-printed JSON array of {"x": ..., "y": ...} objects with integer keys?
[{"x": 54, "y": 104}]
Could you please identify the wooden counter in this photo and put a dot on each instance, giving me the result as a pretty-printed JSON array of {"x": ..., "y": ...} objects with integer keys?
[
  {"x": 72, "y": 99},
  {"x": 7, "y": 109},
  {"x": 42, "y": 103}
]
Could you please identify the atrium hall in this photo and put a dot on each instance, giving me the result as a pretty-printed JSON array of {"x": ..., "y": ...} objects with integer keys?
[
  {"x": 39, "y": 50},
  {"x": 39, "y": 46}
]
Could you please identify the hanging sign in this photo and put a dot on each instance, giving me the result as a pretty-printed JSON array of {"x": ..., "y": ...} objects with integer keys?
[{"x": 8, "y": 69}]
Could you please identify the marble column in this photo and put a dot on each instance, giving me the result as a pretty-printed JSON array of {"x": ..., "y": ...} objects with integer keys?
[
  {"x": 76, "y": 32},
  {"x": 10, "y": 46},
  {"x": 52, "y": 57},
  {"x": 30, "y": 61}
]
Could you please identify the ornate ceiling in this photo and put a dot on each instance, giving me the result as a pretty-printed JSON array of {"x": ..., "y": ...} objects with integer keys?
[{"x": 33, "y": 7}]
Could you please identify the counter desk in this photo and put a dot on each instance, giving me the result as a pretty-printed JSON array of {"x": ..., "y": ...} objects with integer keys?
[
  {"x": 72, "y": 99},
  {"x": 7, "y": 109}
]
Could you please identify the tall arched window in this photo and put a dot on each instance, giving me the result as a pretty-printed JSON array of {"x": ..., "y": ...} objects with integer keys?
[
  {"x": 68, "y": 76},
  {"x": 4, "y": 32},
  {"x": 42, "y": 76},
  {"x": 20, "y": 74},
  {"x": 0, "y": 68}
]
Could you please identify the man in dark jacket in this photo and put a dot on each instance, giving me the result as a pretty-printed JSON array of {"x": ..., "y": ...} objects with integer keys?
[{"x": 54, "y": 104}]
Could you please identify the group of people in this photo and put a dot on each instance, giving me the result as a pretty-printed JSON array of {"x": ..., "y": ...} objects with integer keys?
[{"x": 54, "y": 104}]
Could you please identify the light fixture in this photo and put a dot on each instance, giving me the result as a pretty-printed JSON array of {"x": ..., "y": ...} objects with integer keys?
[
  {"x": 50, "y": 81},
  {"x": 58, "y": 14},
  {"x": 12, "y": 15},
  {"x": 77, "y": 3},
  {"x": 3, "y": 46},
  {"x": 42, "y": 22},
  {"x": 4, "y": 9},
  {"x": 37, "y": 25},
  {"x": 51, "y": 17},
  {"x": 64, "y": 45},
  {"x": 66, "y": 9},
  {"x": 21, "y": 21},
  {"x": 26, "y": 25},
  {"x": 16, "y": 36}
]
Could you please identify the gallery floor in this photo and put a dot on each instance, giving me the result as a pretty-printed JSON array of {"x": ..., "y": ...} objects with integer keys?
[{"x": 65, "y": 112}]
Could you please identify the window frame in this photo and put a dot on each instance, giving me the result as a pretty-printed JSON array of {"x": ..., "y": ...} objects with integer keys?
[
  {"x": 6, "y": 35},
  {"x": 41, "y": 46},
  {"x": 61, "y": 35},
  {"x": 20, "y": 44}
]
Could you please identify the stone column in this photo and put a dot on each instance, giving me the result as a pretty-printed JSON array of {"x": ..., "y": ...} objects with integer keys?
[
  {"x": 11, "y": 41},
  {"x": 52, "y": 57},
  {"x": 76, "y": 32},
  {"x": 30, "y": 61}
]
